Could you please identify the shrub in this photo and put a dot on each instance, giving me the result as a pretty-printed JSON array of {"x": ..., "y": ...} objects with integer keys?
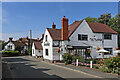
[
  {"x": 11, "y": 53},
  {"x": 67, "y": 58},
  {"x": 80, "y": 59},
  {"x": 30, "y": 51},
  {"x": 111, "y": 65}
]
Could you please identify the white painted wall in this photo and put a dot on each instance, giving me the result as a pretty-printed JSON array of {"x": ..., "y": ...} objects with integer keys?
[
  {"x": 10, "y": 43},
  {"x": 36, "y": 52},
  {"x": 85, "y": 29},
  {"x": 50, "y": 48}
]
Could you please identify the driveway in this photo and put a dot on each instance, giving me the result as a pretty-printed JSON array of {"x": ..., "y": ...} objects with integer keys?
[{"x": 29, "y": 67}]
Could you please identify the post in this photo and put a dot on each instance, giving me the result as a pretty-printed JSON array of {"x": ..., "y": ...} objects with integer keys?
[
  {"x": 76, "y": 62},
  {"x": 90, "y": 64}
]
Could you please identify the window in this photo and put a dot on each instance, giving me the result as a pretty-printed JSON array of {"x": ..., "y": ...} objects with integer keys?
[
  {"x": 33, "y": 51},
  {"x": 10, "y": 46},
  {"x": 107, "y": 36},
  {"x": 46, "y": 51},
  {"x": 109, "y": 51},
  {"x": 82, "y": 37},
  {"x": 46, "y": 37}
]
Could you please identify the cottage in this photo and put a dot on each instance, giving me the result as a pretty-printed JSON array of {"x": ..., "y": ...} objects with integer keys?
[
  {"x": 37, "y": 49},
  {"x": 16, "y": 45},
  {"x": 81, "y": 38}
]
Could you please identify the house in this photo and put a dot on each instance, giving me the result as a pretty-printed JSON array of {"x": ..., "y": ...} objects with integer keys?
[
  {"x": 81, "y": 38},
  {"x": 16, "y": 45},
  {"x": 37, "y": 49}
]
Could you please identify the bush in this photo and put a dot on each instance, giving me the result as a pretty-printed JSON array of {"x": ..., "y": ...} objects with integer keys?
[
  {"x": 67, "y": 58},
  {"x": 11, "y": 53},
  {"x": 111, "y": 65},
  {"x": 80, "y": 59}
]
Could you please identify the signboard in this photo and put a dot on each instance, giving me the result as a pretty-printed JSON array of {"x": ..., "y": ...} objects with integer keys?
[{"x": 95, "y": 39}]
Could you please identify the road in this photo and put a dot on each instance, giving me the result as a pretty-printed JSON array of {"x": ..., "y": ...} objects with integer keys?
[{"x": 28, "y": 67}]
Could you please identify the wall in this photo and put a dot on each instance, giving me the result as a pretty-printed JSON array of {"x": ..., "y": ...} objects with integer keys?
[
  {"x": 36, "y": 52},
  {"x": 10, "y": 43},
  {"x": 49, "y": 47},
  {"x": 85, "y": 29}
]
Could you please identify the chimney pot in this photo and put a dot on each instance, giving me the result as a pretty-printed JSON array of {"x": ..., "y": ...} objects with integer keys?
[{"x": 53, "y": 26}]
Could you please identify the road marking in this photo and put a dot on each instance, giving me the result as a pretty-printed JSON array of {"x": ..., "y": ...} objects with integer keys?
[{"x": 72, "y": 69}]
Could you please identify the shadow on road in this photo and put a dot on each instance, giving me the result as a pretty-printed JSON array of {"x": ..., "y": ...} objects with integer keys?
[{"x": 26, "y": 71}]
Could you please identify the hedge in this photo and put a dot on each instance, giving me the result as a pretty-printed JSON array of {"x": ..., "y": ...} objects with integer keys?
[{"x": 12, "y": 53}]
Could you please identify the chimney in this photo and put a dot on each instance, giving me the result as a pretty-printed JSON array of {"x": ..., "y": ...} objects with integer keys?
[
  {"x": 10, "y": 39},
  {"x": 20, "y": 39},
  {"x": 37, "y": 38},
  {"x": 53, "y": 26},
  {"x": 42, "y": 36},
  {"x": 64, "y": 28}
]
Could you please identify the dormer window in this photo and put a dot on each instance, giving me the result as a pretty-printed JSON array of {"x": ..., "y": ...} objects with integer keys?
[
  {"x": 46, "y": 38},
  {"x": 108, "y": 36}
]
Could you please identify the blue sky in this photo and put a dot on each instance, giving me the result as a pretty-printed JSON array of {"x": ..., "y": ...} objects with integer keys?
[{"x": 19, "y": 17}]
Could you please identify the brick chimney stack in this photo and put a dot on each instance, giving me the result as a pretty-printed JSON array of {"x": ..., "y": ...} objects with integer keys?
[
  {"x": 20, "y": 39},
  {"x": 64, "y": 28},
  {"x": 53, "y": 26},
  {"x": 10, "y": 39}
]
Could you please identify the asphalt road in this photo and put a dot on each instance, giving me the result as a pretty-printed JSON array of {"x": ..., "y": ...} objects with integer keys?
[{"x": 28, "y": 67}]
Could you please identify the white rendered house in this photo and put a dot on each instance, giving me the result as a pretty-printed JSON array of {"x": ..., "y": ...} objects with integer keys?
[
  {"x": 37, "y": 49},
  {"x": 81, "y": 38}
]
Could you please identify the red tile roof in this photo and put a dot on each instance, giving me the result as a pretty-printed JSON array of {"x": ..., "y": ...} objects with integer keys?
[
  {"x": 55, "y": 33},
  {"x": 38, "y": 44},
  {"x": 100, "y": 28},
  {"x": 95, "y": 27}
]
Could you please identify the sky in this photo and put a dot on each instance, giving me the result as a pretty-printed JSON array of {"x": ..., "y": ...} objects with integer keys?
[{"x": 19, "y": 17}]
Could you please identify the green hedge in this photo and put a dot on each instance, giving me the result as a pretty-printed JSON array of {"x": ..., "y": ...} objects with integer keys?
[{"x": 12, "y": 53}]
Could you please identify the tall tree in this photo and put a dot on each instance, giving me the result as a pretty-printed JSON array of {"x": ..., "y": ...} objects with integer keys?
[
  {"x": 104, "y": 18},
  {"x": 2, "y": 44}
]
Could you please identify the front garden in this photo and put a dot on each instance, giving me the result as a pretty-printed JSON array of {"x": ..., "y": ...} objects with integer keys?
[{"x": 109, "y": 65}]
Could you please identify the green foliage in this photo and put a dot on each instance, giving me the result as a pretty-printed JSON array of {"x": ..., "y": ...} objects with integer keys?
[
  {"x": 111, "y": 65},
  {"x": 30, "y": 51},
  {"x": 11, "y": 53},
  {"x": 19, "y": 48},
  {"x": 104, "y": 18},
  {"x": 89, "y": 19},
  {"x": 80, "y": 59},
  {"x": 67, "y": 58},
  {"x": 2, "y": 44}
]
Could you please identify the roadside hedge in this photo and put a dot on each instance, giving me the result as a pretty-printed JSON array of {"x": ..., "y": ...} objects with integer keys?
[{"x": 11, "y": 53}]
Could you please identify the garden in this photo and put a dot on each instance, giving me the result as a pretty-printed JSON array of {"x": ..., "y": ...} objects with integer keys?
[{"x": 109, "y": 65}]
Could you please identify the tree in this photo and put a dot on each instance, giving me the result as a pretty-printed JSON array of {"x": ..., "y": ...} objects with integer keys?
[
  {"x": 90, "y": 19},
  {"x": 104, "y": 18},
  {"x": 2, "y": 44}
]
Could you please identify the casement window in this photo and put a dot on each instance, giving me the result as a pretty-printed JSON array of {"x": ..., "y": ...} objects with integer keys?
[
  {"x": 108, "y": 36},
  {"x": 82, "y": 37},
  {"x": 109, "y": 51},
  {"x": 46, "y": 52},
  {"x": 10, "y": 46},
  {"x": 46, "y": 38}
]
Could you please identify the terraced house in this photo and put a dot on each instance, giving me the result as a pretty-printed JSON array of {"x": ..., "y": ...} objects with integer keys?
[{"x": 81, "y": 38}]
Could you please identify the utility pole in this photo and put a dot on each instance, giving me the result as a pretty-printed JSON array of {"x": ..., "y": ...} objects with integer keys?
[{"x": 30, "y": 34}]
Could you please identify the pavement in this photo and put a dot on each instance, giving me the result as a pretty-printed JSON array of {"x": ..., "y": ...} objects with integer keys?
[{"x": 29, "y": 67}]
